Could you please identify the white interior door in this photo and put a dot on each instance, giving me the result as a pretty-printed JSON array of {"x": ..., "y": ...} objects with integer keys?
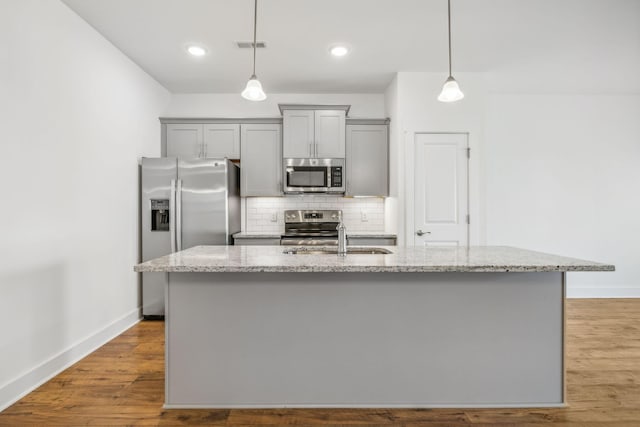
[{"x": 441, "y": 190}]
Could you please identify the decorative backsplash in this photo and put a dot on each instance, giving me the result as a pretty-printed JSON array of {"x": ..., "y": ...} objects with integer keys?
[{"x": 359, "y": 214}]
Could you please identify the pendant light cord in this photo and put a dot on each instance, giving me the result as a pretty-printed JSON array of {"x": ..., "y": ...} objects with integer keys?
[
  {"x": 449, "y": 16},
  {"x": 255, "y": 25}
]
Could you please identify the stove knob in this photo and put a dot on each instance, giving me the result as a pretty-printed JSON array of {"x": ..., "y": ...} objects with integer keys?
[{"x": 334, "y": 216}]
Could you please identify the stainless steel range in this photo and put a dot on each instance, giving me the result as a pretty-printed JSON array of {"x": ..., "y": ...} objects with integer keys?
[{"x": 311, "y": 228}]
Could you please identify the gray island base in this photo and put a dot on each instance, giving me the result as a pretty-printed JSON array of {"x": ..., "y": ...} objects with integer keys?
[{"x": 449, "y": 327}]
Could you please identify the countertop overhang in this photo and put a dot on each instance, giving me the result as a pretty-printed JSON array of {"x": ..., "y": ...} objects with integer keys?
[{"x": 272, "y": 259}]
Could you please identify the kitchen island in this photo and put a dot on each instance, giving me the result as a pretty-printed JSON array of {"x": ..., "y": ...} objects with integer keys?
[{"x": 252, "y": 326}]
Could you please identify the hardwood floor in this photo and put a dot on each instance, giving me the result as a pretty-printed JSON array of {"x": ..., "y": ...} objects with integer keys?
[{"x": 122, "y": 384}]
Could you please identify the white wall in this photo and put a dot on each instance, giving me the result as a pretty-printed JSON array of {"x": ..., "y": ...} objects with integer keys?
[
  {"x": 75, "y": 115},
  {"x": 233, "y": 105},
  {"x": 554, "y": 172},
  {"x": 562, "y": 177}
]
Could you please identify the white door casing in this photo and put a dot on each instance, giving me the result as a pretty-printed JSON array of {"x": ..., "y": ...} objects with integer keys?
[{"x": 441, "y": 202}]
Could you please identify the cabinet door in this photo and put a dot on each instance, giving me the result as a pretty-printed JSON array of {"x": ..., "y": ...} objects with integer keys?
[
  {"x": 367, "y": 160},
  {"x": 329, "y": 134},
  {"x": 184, "y": 140},
  {"x": 222, "y": 140},
  {"x": 298, "y": 133},
  {"x": 261, "y": 160}
]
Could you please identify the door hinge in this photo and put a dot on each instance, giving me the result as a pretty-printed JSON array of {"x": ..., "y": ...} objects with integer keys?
[
  {"x": 468, "y": 152},
  {"x": 468, "y": 219}
]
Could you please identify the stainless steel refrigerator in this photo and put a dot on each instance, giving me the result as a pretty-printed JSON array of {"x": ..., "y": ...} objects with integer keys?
[{"x": 184, "y": 203}]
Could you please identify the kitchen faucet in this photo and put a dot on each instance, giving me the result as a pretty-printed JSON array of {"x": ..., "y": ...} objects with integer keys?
[{"x": 342, "y": 238}]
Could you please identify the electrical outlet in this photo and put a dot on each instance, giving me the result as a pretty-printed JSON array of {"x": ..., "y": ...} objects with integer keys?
[
  {"x": 274, "y": 216},
  {"x": 363, "y": 216}
]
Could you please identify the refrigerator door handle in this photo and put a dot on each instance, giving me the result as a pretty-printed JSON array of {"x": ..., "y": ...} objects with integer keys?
[
  {"x": 172, "y": 215},
  {"x": 179, "y": 215}
]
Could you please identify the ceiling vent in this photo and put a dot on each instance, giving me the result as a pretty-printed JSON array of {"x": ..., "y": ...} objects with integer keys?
[{"x": 249, "y": 45}]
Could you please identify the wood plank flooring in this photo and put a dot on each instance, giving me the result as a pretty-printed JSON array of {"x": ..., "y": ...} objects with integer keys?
[{"x": 122, "y": 384}]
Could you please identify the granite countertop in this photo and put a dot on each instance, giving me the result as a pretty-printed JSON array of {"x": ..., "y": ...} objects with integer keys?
[
  {"x": 372, "y": 235},
  {"x": 257, "y": 235},
  {"x": 240, "y": 259},
  {"x": 273, "y": 235}
]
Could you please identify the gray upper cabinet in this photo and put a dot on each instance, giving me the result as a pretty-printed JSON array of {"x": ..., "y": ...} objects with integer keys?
[
  {"x": 222, "y": 140},
  {"x": 367, "y": 160},
  {"x": 208, "y": 140},
  {"x": 298, "y": 133},
  {"x": 184, "y": 140},
  {"x": 330, "y": 133},
  {"x": 261, "y": 160},
  {"x": 313, "y": 133}
]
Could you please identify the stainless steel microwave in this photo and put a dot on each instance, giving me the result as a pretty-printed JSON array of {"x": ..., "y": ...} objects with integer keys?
[{"x": 314, "y": 176}]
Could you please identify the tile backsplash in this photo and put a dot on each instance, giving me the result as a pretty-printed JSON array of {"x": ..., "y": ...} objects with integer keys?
[{"x": 359, "y": 214}]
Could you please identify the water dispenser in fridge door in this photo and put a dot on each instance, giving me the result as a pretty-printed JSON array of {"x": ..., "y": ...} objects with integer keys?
[{"x": 159, "y": 215}]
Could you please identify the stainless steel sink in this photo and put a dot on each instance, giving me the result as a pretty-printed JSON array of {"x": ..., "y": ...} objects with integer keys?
[{"x": 334, "y": 251}]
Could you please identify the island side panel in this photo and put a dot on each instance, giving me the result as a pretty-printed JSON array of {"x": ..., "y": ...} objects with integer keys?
[{"x": 364, "y": 339}]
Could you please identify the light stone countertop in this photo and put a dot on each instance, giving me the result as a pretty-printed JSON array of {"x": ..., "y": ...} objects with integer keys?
[
  {"x": 274, "y": 235},
  {"x": 245, "y": 259},
  {"x": 372, "y": 235},
  {"x": 257, "y": 235}
]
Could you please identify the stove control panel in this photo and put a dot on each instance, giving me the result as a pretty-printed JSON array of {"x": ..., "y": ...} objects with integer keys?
[{"x": 312, "y": 216}]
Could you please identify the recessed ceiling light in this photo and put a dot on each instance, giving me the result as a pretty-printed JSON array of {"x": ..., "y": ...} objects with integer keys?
[
  {"x": 197, "y": 50},
  {"x": 339, "y": 50}
]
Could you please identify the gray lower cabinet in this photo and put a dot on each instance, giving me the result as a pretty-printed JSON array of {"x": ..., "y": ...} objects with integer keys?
[
  {"x": 261, "y": 160},
  {"x": 371, "y": 241},
  {"x": 367, "y": 160},
  {"x": 256, "y": 241}
]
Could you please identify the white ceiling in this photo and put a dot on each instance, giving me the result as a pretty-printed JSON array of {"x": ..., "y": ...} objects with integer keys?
[{"x": 563, "y": 36}]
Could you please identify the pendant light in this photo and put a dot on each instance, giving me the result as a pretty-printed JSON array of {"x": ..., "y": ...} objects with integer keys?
[
  {"x": 450, "y": 90},
  {"x": 253, "y": 91}
]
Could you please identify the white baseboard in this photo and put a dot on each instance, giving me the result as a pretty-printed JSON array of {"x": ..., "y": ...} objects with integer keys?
[
  {"x": 16, "y": 389},
  {"x": 603, "y": 292}
]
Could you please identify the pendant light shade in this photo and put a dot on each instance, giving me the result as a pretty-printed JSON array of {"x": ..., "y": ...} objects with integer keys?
[
  {"x": 253, "y": 91},
  {"x": 450, "y": 90}
]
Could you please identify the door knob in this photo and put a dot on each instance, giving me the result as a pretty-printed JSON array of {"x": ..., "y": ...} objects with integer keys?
[{"x": 422, "y": 233}]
